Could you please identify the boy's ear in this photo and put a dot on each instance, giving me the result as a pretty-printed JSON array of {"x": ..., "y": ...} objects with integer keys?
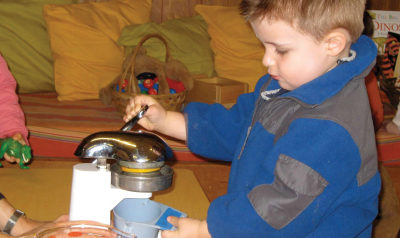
[{"x": 336, "y": 42}]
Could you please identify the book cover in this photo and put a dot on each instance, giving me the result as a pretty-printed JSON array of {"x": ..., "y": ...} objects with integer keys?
[
  {"x": 390, "y": 55},
  {"x": 391, "y": 59},
  {"x": 395, "y": 46},
  {"x": 384, "y": 21},
  {"x": 397, "y": 72}
]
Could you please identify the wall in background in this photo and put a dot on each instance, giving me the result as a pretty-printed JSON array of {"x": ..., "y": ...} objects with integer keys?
[{"x": 388, "y": 5}]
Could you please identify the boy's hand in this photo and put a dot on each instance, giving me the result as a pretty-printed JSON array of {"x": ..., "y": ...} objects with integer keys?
[
  {"x": 18, "y": 137},
  {"x": 154, "y": 116},
  {"x": 187, "y": 227}
]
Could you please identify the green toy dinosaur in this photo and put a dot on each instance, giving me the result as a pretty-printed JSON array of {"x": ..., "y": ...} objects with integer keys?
[{"x": 15, "y": 149}]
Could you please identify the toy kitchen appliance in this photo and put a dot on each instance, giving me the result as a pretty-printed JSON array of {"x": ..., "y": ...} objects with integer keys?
[{"x": 140, "y": 170}]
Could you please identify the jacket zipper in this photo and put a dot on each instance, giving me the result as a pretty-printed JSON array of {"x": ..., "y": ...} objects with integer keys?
[
  {"x": 250, "y": 127},
  {"x": 306, "y": 105}
]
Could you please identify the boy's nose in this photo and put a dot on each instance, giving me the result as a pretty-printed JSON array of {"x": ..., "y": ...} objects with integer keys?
[{"x": 268, "y": 59}]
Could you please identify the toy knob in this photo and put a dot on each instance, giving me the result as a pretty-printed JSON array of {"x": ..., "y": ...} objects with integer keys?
[
  {"x": 148, "y": 83},
  {"x": 172, "y": 91}
]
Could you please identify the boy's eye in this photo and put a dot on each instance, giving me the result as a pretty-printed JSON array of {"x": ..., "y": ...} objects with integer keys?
[{"x": 281, "y": 52}]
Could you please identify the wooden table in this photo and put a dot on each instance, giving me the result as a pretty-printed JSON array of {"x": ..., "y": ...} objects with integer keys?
[{"x": 44, "y": 193}]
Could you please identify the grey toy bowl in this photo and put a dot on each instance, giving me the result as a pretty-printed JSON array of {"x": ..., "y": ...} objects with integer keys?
[{"x": 143, "y": 217}]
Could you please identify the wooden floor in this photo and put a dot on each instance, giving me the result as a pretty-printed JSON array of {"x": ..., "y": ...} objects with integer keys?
[{"x": 394, "y": 172}]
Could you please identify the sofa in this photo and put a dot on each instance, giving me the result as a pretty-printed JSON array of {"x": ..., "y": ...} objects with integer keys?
[{"x": 77, "y": 48}]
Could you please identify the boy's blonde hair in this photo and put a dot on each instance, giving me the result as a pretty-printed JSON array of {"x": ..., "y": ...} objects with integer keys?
[{"x": 314, "y": 17}]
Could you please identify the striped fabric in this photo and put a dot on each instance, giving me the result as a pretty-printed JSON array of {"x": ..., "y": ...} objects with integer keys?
[{"x": 56, "y": 128}]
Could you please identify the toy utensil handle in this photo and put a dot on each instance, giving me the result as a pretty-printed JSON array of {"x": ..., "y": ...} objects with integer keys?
[{"x": 128, "y": 126}]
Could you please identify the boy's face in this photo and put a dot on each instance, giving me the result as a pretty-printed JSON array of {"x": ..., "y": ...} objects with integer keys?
[{"x": 292, "y": 58}]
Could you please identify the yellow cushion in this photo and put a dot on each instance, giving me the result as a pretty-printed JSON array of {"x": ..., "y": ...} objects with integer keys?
[
  {"x": 83, "y": 42},
  {"x": 238, "y": 52}
]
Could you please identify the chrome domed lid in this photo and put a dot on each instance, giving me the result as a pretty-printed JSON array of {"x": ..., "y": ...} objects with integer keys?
[{"x": 132, "y": 149}]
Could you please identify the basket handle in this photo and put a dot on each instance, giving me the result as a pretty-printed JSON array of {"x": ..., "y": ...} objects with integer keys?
[{"x": 132, "y": 79}]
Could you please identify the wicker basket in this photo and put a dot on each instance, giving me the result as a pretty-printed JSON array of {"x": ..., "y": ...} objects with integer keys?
[{"x": 171, "y": 102}]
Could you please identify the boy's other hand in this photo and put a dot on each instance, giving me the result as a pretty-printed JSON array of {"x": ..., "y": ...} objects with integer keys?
[
  {"x": 187, "y": 228},
  {"x": 154, "y": 116}
]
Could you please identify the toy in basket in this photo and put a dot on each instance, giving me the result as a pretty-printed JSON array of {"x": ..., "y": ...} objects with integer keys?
[{"x": 156, "y": 78}]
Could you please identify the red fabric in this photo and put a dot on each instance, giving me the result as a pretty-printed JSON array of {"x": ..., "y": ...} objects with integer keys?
[
  {"x": 374, "y": 100},
  {"x": 389, "y": 154}
]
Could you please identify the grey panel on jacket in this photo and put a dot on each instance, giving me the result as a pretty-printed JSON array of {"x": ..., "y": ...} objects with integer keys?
[
  {"x": 296, "y": 185},
  {"x": 344, "y": 108}
]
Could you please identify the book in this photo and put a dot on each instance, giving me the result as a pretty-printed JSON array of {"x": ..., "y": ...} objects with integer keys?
[
  {"x": 397, "y": 72},
  {"x": 390, "y": 55},
  {"x": 384, "y": 21},
  {"x": 395, "y": 49}
]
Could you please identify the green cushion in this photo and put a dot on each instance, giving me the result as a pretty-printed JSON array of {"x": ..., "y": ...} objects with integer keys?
[
  {"x": 187, "y": 40},
  {"x": 24, "y": 43}
]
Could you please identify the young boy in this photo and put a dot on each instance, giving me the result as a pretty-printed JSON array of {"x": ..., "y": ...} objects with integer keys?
[{"x": 302, "y": 146}]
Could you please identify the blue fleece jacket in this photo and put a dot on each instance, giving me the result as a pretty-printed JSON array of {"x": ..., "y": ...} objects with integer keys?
[{"x": 304, "y": 163}]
